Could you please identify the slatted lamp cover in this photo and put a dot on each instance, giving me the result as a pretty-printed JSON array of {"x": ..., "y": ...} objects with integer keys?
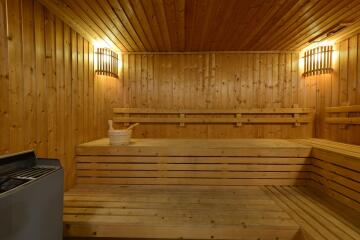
[
  {"x": 107, "y": 62},
  {"x": 318, "y": 61}
]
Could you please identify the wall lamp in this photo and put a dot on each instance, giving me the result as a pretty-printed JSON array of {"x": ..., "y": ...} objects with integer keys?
[
  {"x": 318, "y": 61},
  {"x": 107, "y": 62}
]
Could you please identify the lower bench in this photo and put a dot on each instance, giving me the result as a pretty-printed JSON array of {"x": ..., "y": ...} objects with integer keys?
[
  {"x": 194, "y": 162},
  {"x": 272, "y": 212},
  {"x": 175, "y": 213},
  {"x": 235, "y": 189}
]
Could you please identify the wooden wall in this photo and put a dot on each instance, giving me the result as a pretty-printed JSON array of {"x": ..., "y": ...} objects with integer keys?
[
  {"x": 248, "y": 80},
  {"x": 215, "y": 80},
  {"x": 342, "y": 87},
  {"x": 49, "y": 99}
]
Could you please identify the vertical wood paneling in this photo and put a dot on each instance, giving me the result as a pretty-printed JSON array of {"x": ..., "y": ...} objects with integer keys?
[
  {"x": 213, "y": 80},
  {"x": 16, "y": 84},
  {"x": 51, "y": 83},
  {"x": 29, "y": 74},
  {"x": 341, "y": 87},
  {"x": 49, "y": 99},
  {"x": 41, "y": 91},
  {"x": 4, "y": 80},
  {"x": 68, "y": 127}
]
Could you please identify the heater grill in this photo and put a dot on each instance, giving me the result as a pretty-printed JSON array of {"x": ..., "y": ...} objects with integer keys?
[{"x": 32, "y": 173}]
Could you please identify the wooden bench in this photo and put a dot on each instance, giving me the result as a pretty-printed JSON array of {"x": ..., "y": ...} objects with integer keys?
[
  {"x": 344, "y": 115},
  {"x": 336, "y": 170},
  {"x": 320, "y": 217},
  {"x": 226, "y": 188},
  {"x": 194, "y": 162}
]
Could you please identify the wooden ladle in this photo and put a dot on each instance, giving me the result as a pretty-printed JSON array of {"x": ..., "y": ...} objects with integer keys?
[
  {"x": 111, "y": 128},
  {"x": 132, "y": 126}
]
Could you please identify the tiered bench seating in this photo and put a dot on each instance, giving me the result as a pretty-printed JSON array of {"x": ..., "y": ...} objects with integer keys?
[
  {"x": 194, "y": 162},
  {"x": 336, "y": 170},
  {"x": 319, "y": 216},
  {"x": 215, "y": 189}
]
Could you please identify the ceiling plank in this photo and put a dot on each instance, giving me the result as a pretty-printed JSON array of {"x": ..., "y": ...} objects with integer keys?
[
  {"x": 161, "y": 17},
  {"x": 290, "y": 24},
  {"x": 267, "y": 16},
  {"x": 223, "y": 17},
  {"x": 91, "y": 16},
  {"x": 285, "y": 18},
  {"x": 205, "y": 25},
  {"x": 120, "y": 13},
  {"x": 63, "y": 11},
  {"x": 288, "y": 6},
  {"x": 345, "y": 14},
  {"x": 314, "y": 15},
  {"x": 115, "y": 21},
  {"x": 140, "y": 14},
  {"x": 240, "y": 24},
  {"x": 154, "y": 24},
  {"x": 170, "y": 14},
  {"x": 126, "y": 9},
  {"x": 180, "y": 23}
]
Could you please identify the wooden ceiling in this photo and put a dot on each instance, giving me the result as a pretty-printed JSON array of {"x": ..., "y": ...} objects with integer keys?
[{"x": 205, "y": 25}]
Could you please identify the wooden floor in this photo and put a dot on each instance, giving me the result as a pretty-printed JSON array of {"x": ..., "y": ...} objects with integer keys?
[
  {"x": 175, "y": 212},
  {"x": 272, "y": 212}
]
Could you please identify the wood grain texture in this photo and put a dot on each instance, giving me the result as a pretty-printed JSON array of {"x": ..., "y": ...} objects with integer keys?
[
  {"x": 164, "y": 212},
  {"x": 337, "y": 90},
  {"x": 220, "y": 162},
  {"x": 47, "y": 95},
  {"x": 319, "y": 216},
  {"x": 336, "y": 170},
  {"x": 210, "y": 81},
  {"x": 207, "y": 25}
]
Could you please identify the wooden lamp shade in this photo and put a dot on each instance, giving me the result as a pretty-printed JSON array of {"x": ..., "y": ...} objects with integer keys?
[
  {"x": 106, "y": 62},
  {"x": 318, "y": 61}
]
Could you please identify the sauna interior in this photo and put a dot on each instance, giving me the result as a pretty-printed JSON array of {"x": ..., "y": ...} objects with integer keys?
[{"x": 248, "y": 112}]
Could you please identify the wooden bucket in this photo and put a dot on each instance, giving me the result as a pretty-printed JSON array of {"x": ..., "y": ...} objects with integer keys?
[{"x": 119, "y": 137}]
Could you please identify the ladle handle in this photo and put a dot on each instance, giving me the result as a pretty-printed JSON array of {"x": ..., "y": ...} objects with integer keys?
[
  {"x": 110, "y": 122},
  {"x": 132, "y": 126}
]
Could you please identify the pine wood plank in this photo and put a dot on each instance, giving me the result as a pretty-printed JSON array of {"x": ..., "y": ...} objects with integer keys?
[{"x": 172, "y": 215}]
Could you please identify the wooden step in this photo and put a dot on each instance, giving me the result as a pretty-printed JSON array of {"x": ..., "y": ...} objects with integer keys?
[
  {"x": 173, "y": 213},
  {"x": 319, "y": 216},
  {"x": 214, "y": 162}
]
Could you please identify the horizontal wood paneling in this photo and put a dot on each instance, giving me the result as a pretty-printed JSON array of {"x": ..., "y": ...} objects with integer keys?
[
  {"x": 215, "y": 81},
  {"x": 49, "y": 99}
]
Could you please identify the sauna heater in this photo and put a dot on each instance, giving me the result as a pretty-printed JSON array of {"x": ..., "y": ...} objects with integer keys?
[{"x": 31, "y": 197}]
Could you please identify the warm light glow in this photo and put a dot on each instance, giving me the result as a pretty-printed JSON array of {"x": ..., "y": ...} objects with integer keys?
[
  {"x": 317, "y": 44},
  {"x": 100, "y": 44},
  {"x": 106, "y": 62},
  {"x": 106, "y": 59},
  {"x": 335, "y": 54},
  {"x": 317, "y": 60}
]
